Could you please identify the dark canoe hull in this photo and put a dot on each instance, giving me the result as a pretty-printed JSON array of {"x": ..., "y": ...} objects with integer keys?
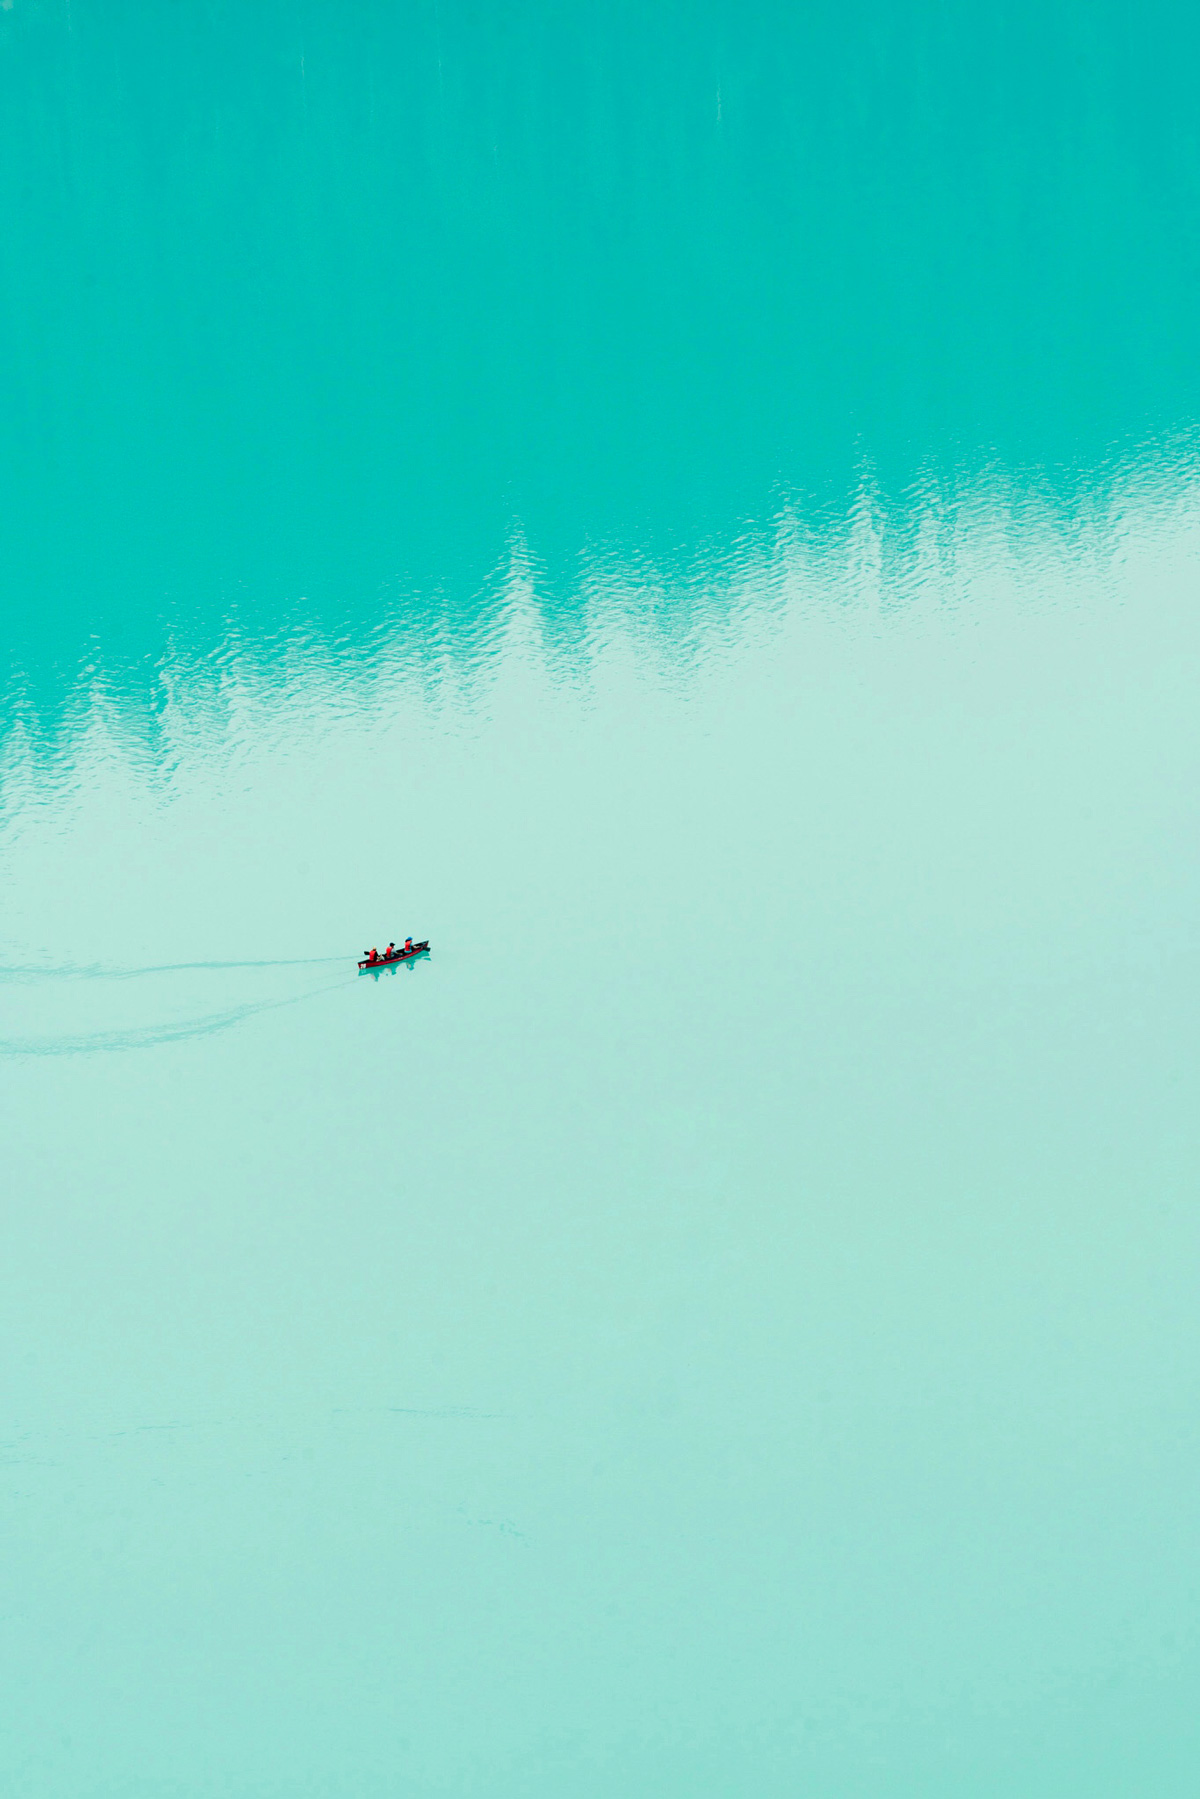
[{"x": 401, "y": 955}]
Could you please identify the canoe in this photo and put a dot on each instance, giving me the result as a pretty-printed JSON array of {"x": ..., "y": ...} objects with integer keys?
[{"x": 401, "y": 955}]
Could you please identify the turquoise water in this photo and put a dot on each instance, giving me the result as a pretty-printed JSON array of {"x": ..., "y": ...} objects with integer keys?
[{"x": 699, "y": 515}]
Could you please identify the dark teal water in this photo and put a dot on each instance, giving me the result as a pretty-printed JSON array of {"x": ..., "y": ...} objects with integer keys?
[
  {"x": 696, "y": 512},
  {"x": 315, "y": 301}
]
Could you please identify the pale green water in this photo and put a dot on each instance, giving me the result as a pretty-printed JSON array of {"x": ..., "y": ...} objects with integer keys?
[{"x": 698, "y": 515}]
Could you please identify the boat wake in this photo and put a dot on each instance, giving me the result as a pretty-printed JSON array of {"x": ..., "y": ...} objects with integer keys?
[
  {"x": 153, "y": 1035},
  {"x": 97, "y": 972}
]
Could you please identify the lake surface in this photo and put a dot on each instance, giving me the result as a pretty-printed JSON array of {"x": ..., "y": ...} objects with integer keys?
[{"x": 698, "y": 515}]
